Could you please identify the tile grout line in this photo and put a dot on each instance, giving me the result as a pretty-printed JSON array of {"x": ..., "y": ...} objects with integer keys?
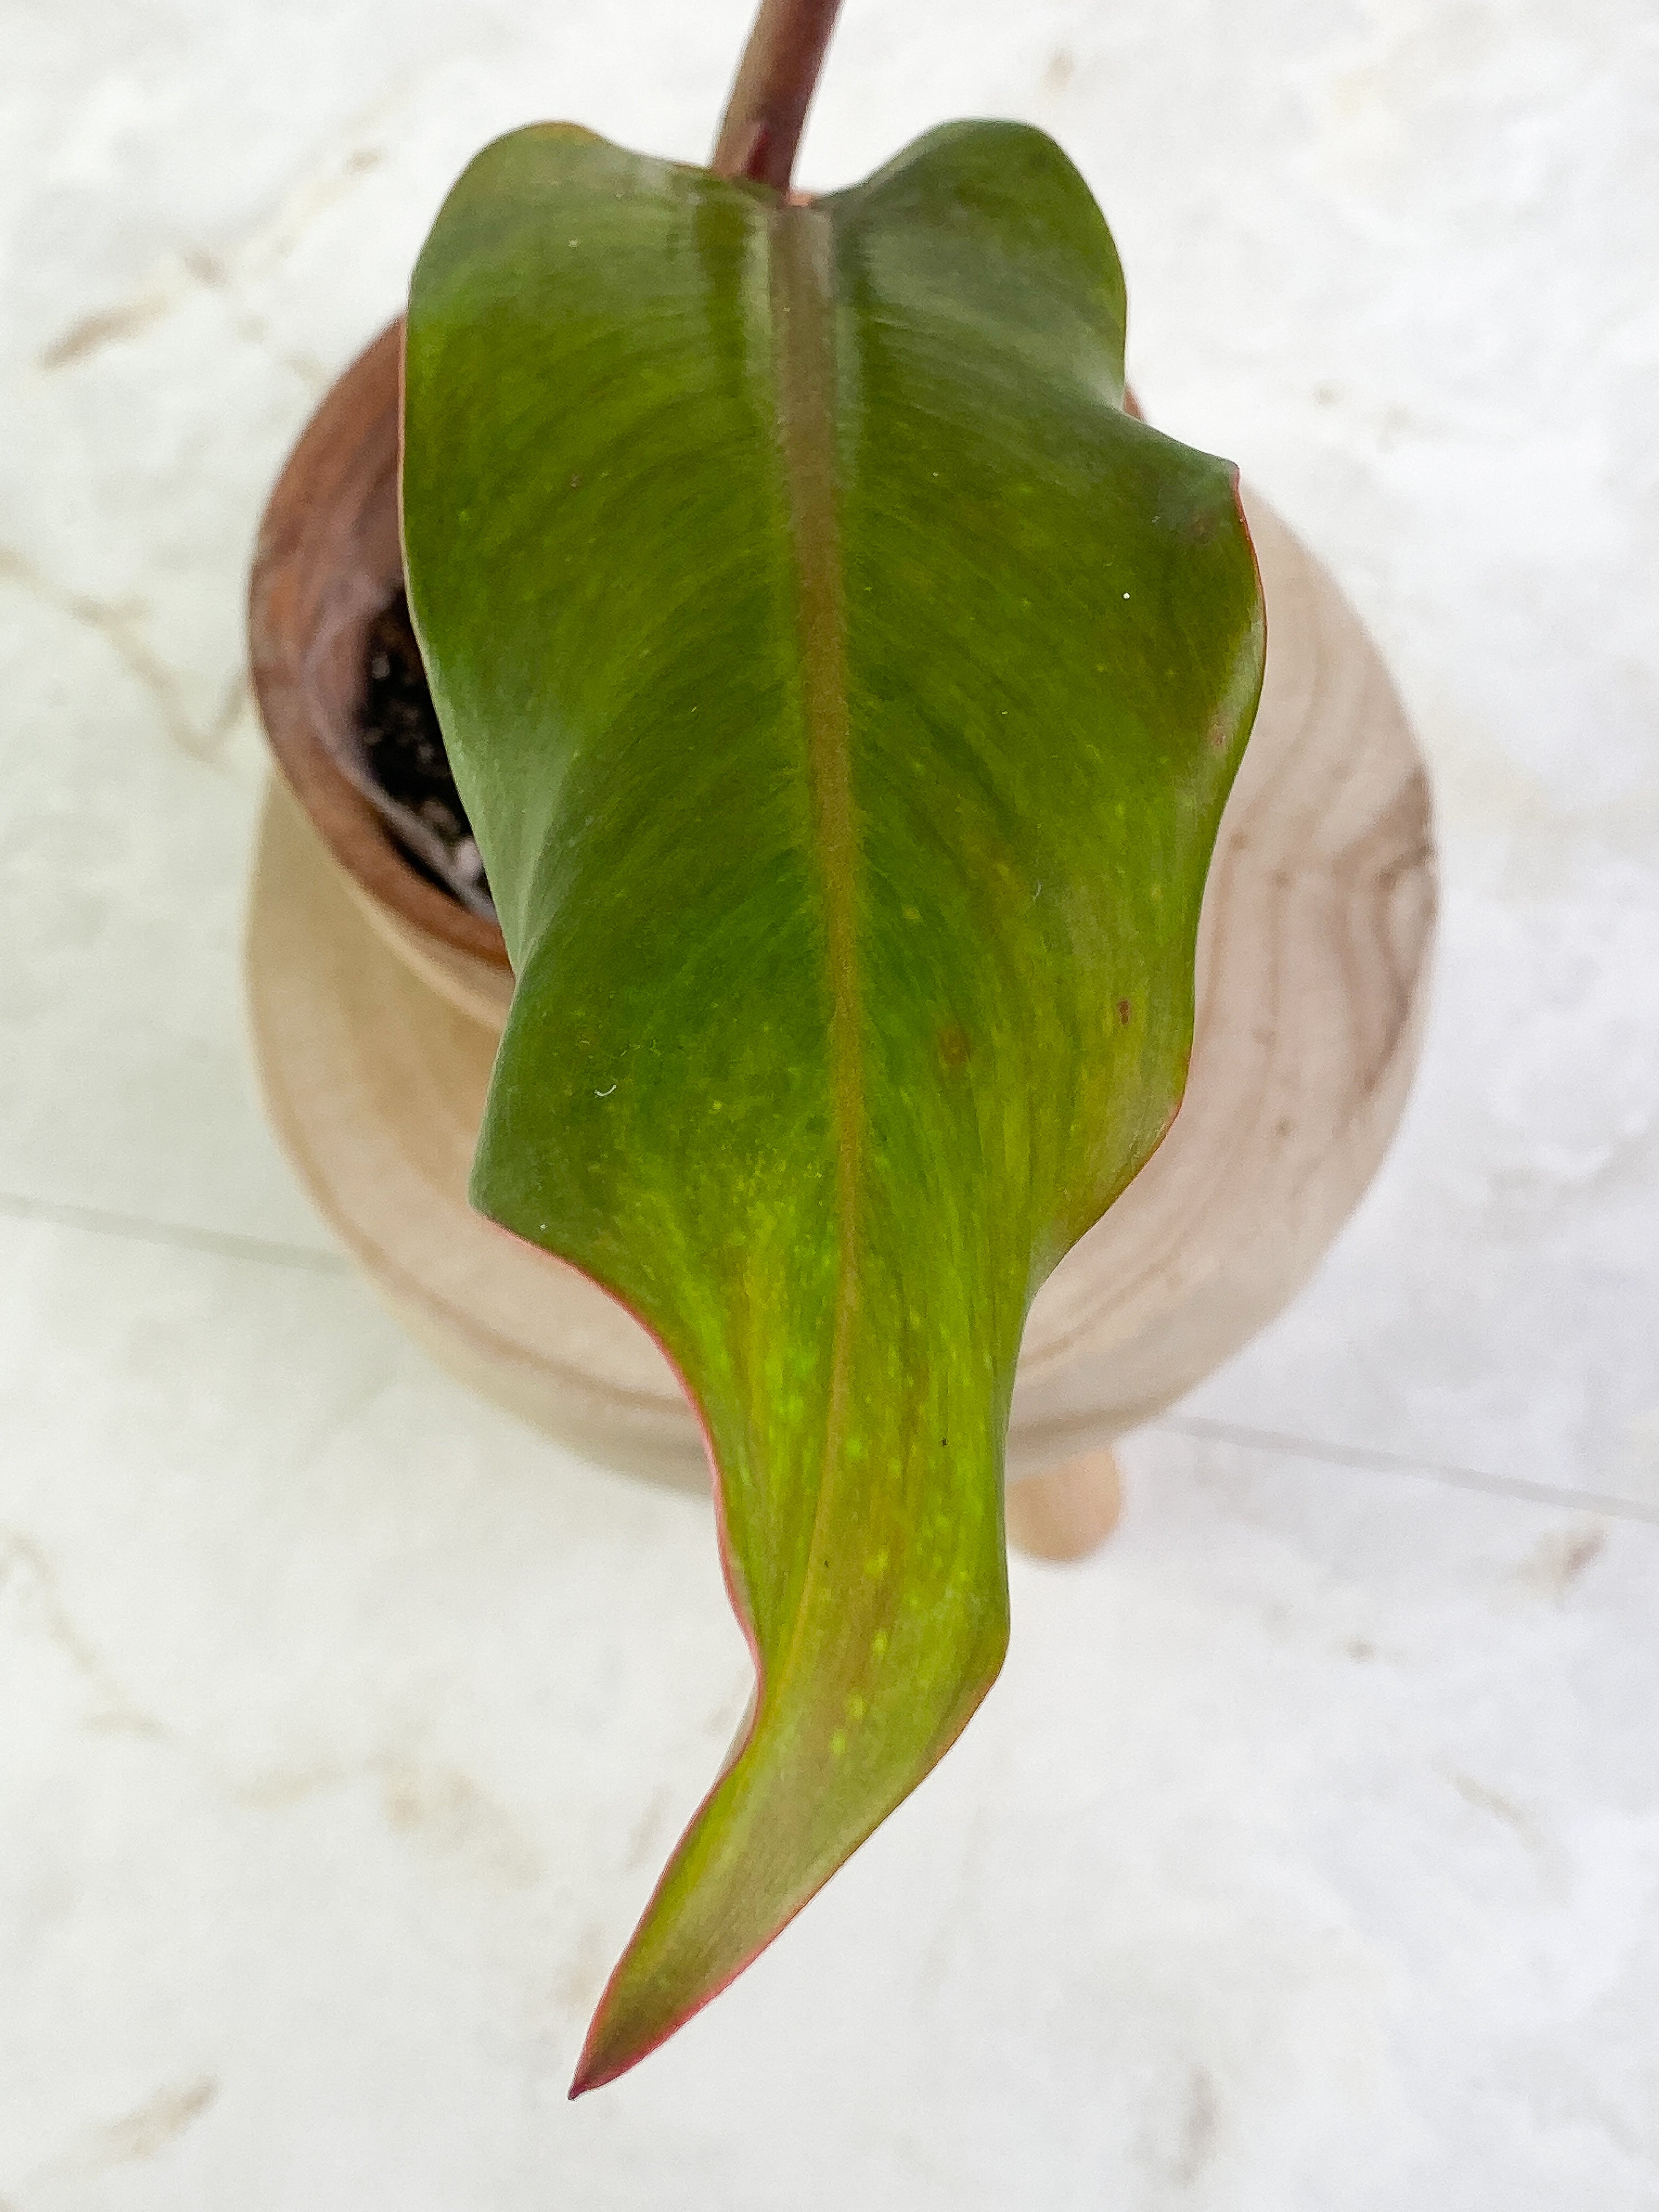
[
  {"x": 225, "y": 1244},
  {"x": 1371, "y": 1461}
]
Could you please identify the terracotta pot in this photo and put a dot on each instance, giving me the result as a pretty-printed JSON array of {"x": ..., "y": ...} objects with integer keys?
[
  {"x": 377, "y": 1002},
  {"x": 328, "y": 560}
]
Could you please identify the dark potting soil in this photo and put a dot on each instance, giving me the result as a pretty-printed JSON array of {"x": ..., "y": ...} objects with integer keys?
[{"x": 404, "y": 746}]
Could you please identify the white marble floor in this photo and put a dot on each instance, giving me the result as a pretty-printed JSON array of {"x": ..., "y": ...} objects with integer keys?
[{"x": 1307, "y": 1854}]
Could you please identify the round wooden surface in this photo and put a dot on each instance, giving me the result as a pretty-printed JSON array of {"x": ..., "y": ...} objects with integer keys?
[{"x": 1313, "y": 965}]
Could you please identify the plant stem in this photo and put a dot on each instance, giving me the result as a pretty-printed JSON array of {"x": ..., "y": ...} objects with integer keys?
[{"x": 776, "y": 78}]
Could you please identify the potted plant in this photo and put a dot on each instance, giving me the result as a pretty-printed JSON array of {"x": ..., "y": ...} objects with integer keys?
[{"x": 843, "y": 688}]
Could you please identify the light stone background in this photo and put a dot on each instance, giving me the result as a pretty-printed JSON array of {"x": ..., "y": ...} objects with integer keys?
[{"x": 1307, "y": 1854}]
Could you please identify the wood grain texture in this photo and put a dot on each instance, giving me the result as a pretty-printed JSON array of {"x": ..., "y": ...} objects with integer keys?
[
  {"x": 1313, "y": 970},
  {"x": 375, "y": 1037}
]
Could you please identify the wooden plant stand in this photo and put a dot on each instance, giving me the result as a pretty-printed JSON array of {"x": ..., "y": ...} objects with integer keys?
[{"x": 377, "y": 1003}]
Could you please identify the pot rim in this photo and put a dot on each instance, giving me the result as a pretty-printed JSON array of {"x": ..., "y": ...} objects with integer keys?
[{"x": 314, "y": 586}]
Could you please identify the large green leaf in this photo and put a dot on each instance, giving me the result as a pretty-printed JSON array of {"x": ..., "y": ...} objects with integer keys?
[{"x": 845, "y": 691}]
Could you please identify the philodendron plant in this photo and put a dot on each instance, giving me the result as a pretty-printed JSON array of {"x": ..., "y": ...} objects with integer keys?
[{"x": 844, "y": 686}]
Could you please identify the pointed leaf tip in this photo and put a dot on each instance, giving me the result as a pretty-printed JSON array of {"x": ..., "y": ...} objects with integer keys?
[{"x": 817, "y": 1770}]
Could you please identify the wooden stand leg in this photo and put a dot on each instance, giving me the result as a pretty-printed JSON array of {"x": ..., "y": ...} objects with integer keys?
[{"x": 1068, "y": 1512}]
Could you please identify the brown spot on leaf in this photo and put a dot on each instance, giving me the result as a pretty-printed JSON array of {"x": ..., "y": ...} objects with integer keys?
[
  {"x": 953, "y": 1045},
  {"x": 1125, "y": 1011}
]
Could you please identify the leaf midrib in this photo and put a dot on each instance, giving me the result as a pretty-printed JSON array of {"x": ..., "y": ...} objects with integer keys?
[{"x": 803, "y": 322}]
